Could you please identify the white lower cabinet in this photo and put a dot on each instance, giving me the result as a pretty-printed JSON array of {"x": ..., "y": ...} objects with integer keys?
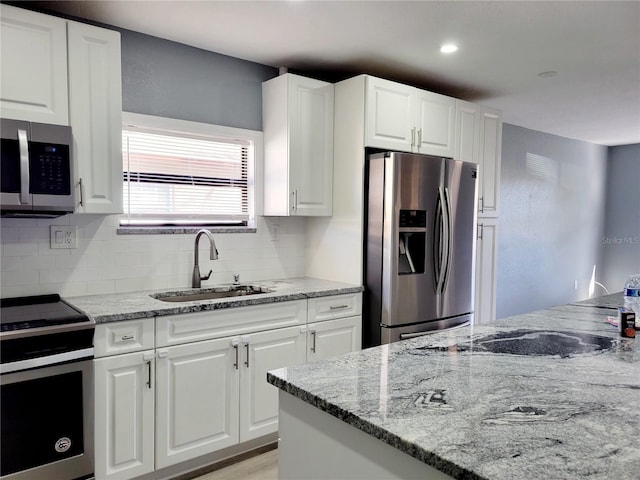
[
  {"x": 486, "y": 270},
  {"x": 261, "y": 352},
  {"x": 334, "y": 337},
  {"x": 196, "y": 400},
  {"x": 124, "y": 415},
  {"x": 334, "y": 325},
  {"x": 159, "y": 402}
]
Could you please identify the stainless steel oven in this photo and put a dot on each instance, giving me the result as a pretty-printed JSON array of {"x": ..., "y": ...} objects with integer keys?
[{"x": 46, "y": 390}]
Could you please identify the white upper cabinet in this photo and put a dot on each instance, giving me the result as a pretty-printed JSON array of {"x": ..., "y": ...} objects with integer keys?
[
  {"x": 68, "y": 73},
  {"x": 468, "y": 118},
  {"x": 297, "y": 117},
  {"x": 479, "y": 140},
  {"x": 33, "y": 81},
  {"x": 435, "y": 123},
  {"x": 400, "y": 117},
  {"x": 491, "y": 155},
  {"x": 95, "y": 111},
  {"x": 389, "y": 115}
]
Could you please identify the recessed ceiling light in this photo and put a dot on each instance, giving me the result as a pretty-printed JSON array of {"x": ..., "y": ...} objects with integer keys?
[
  {"x": 448, "y": 48},
  {"x": 549, "y": 74}
]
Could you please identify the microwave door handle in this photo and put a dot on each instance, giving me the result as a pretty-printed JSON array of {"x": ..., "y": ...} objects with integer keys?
[{"x": 23, "y": 144}]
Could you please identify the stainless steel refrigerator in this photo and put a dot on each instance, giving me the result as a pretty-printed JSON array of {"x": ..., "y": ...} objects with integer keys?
[{"x": 420, "y": 224}]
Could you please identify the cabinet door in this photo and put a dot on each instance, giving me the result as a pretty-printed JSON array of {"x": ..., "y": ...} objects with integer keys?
[
  {"x": 468, "y": 120},
  {"x": 491, "y": 154},
  {"x": 124, "y": 415},
  {"x": 334, "y": 337},
  {"x": 196, "y": 400},
  {"x": 95, "y": 103},
  {"x": 310, "y": 146},
  {"x": 486, "y": 251},
  {"x": 297, "y": 118},
  {"x": 261, "y": 352},
  {"x": 389, "y": 115},
  {"x": 33, "y": 81},
  {"x": 435, "y": 124}
]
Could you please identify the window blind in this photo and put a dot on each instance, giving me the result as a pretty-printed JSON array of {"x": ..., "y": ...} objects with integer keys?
[{"x": 181, "y": 179}]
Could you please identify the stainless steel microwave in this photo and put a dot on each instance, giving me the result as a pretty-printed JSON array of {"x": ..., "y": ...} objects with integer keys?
[{"x": 37, "y": 169}]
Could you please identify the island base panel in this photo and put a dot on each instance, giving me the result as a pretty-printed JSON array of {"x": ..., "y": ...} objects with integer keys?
[{"x": 316, "y": 445}]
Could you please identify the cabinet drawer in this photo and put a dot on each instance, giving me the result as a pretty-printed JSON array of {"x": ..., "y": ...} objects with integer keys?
[
  {"x": 123, "y": 337},
  {"x": 193, "y": 327},
  {"x": 335, "y": 306}
]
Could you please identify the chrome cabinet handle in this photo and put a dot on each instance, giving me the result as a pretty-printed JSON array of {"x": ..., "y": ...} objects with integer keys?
[
  {"x": 81, "y": 188},
  {"x": 481, "y": 202},
  {"x": 246, "y": 340},
  {"x": 480, "y": 231},
  {"x": 234, "y": 343},
  {"x": 419, "y": 138},
  {"x": 338, "y": 307},
  {"x": 235, "y": 365},
  {"x": 413, "y": 136},
  {"x": 149, "y": 373},
  {"x": 23, "y": 144},
  {"x": 148, "y": 357},
  {"x": 312, "y": 330}
]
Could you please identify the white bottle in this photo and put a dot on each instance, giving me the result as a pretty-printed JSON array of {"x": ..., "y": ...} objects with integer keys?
[{"x": 631, "y": 294}]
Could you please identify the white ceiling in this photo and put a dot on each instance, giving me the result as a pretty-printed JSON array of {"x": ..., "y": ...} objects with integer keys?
[{"x": 594, "y": 46}]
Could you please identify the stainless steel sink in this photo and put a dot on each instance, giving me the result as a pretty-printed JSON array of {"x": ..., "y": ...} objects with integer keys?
[{"x": 211, "y": 293}]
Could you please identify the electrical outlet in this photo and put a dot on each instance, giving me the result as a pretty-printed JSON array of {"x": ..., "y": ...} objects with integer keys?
[{"x": 64, "y": 236}]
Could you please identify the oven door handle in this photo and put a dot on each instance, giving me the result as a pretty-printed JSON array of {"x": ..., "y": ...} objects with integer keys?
[{"x": 85, "y": 353}]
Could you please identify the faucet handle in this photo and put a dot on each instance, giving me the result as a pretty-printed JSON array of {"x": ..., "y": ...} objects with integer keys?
[
  {"x": 206, "y": 277},
  {"x": 236, "y": 279}
]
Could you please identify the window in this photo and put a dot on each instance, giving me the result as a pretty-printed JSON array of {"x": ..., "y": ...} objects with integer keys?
[{"x": 179, "y": 173}]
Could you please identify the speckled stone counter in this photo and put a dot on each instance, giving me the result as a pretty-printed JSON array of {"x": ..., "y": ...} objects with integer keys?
[
  {"x": 132, "y": 305},
  {"x": 553, "y": 394}
]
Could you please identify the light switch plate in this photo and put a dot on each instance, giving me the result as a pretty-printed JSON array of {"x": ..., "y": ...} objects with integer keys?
[{"x": 65, "y": 236}]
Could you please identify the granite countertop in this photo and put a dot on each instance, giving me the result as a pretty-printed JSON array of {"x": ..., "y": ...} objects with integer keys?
[
  {"x": 131, "y": 305},
  {"x": 553, "y": 394}
]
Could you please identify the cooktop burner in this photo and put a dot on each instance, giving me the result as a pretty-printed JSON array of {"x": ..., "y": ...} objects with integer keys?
[
  {"x": 23, "y": 313},
  {"x": 40, "y": 326}
]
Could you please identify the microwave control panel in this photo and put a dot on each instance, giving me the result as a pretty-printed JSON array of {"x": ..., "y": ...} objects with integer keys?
[{"x": 49, "y": 169}]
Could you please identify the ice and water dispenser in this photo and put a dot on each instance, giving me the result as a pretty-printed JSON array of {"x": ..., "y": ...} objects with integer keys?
[{"x": 412, "y": 229}]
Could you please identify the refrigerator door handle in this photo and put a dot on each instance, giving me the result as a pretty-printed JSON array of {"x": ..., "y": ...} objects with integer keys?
[
  {"x": 437, "y": 244},
  {"x": 441, "y": 249},
  {"x": 448, "y": 239}
]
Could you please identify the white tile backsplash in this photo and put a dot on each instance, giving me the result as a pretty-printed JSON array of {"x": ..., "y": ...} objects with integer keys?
[{"x": 105, "y": 262}]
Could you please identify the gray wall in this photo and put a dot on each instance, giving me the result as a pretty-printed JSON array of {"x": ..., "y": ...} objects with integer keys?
[
  {"x": 552, "y": 207},
  {"x": 621, "y": 237},
  {"x": 168, "y": 79}
]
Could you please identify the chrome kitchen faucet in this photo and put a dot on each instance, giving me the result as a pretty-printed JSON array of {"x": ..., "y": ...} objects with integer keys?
[{"x": 196, "y": 278}]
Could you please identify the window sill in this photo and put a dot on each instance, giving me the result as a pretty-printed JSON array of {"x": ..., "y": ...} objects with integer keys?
[{"x": 180, "y": 230}]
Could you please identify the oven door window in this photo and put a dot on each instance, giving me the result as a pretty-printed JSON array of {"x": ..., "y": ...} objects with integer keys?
[{"x": 42, "y": 421}]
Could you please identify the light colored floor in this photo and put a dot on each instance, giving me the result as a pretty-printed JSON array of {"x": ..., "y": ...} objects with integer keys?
[{"x": 260, "y": 467}]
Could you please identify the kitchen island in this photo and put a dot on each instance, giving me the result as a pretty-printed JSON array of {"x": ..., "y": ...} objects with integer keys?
[{"x": 552, "y": 394}]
